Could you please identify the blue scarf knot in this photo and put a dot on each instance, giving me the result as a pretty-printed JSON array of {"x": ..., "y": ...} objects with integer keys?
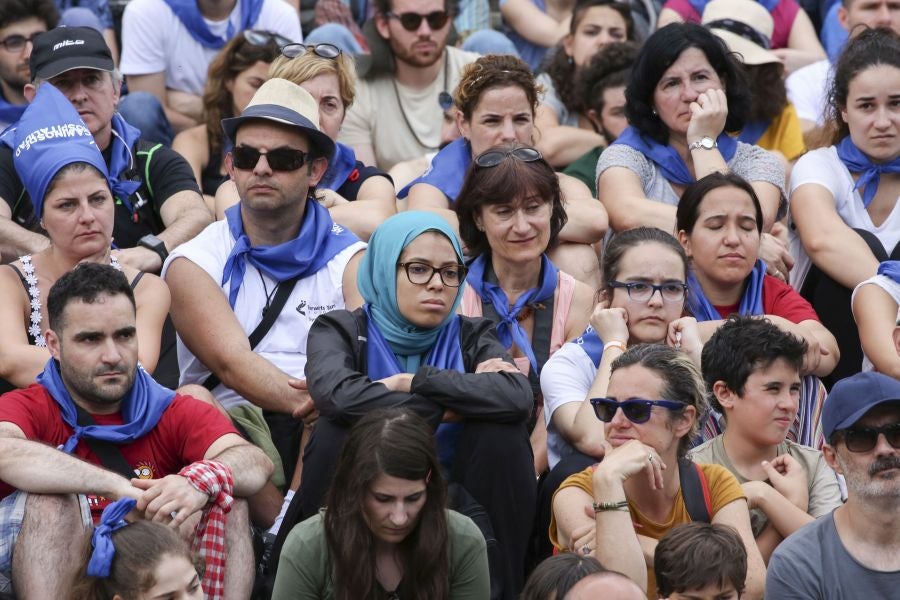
[
  {"x": 751, "y": 299},
  {"x": 890, "y": 268},
  {"x": 141, "y": 408},
  {"x": 112, "y": 520},
  {"x": 509, "y": 329},
  {"x": 319, "y": 240},
  {"x": 189, "y": 15},
  {"x": 667, "y": 158},
  {"x": 121, "y": 160},
  {"x": 447, "y": 171},
  {"x": 340, "y": 167},
  {"x": 870, "y": 172}
]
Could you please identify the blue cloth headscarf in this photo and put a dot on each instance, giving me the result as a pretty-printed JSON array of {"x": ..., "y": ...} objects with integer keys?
[
  {"x": 666, "y": 157},
  {"x": 142, "y": 408},
  {"x": 870, "y": 172},
  {"x": 751, "y": 300},
  {"x": 49, "y": 136},
  {"x": 890, "y": 268},
  {"x": 447, "y": 171},
  {"x": 320, "y": 239},
  {"x": 189, "y": 15},
  {"x": 340, "y": 166},
  {"x": 509, "y": 329},
  {"x": 112, "y": 520}
]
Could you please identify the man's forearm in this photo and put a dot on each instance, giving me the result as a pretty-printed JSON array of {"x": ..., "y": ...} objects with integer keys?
[
  {"x": 249, "y": 465},
  {"x": 186, "y": 225},
  {"x": 16, "y": 241}
]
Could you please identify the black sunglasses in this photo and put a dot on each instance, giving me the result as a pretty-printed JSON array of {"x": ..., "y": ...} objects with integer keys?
[
  {"x": 492, "y": 158},
  {"x": 329, "y": 51},
  {"x": 863, "y": 439},
  {"x": 256, "y": 37},
  {"x": 279, "y": 159},
  {"x": 635, "y": 410},
  {"x": 15, "y": 43},
  {"x": 411, "y": 21}
]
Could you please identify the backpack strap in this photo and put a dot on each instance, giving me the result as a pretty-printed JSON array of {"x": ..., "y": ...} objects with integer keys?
[
  {"x": 695, "y": 491},
  {"x": 109, "y": 454}
]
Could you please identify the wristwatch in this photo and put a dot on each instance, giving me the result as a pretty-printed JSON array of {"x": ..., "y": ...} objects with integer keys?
[
  {"x": 705, "y": 143},
  {"x": 151, "y": 242}
]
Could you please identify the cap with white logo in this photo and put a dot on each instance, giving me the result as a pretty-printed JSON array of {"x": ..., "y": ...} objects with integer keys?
[{"x": 65, "y": 48}]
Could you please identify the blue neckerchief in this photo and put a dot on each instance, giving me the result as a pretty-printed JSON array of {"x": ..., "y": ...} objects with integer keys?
[
  {"x": 189, "y": 15},
  {"x": 509, "y": 330},
  {"x": 591, "y": 344},
  {"x": 700, "y": 5},
  {"x": 49, "y": 136},
  {"x": 141, "y": 408},
  {"x": 752, "y": 131},
  {"x": 112, "y": 520},
  {"x": 121, "y": 160},
  {"x": 870, "y": 173},
  {"x": 10, "y": 113},
  {"x": 376, "y": 280},
  {"x": 320, "y": 239},
  {"x": 666, "y": 158},
  {"x": 339, "y": 167},
  {"x": 447, "y": 171},
  {"x": 890, "y": 268},
  {"x": 751, "y": 299}
]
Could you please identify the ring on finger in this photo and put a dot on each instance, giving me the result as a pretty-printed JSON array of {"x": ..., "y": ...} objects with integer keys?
[
  {"x": 585, "y": 549},
  {"x": 650, "y": 457}
]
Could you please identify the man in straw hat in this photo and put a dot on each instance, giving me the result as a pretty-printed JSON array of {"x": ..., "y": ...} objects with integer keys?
[{"x": 277, "y": 254}]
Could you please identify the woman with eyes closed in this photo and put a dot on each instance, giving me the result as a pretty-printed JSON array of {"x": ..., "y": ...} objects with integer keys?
[
  {"x": 719, "y": 225},
  {"x": 67, "y": 180},
  {"x": 386, "y": 532},
  {"x": 685, "y": 93},
  {"x": 407, "y": 347},
  {"x": 496, "y": 101}
]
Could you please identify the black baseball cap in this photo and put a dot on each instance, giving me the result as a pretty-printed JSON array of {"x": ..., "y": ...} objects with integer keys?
[{"x": 65, "y": 48}]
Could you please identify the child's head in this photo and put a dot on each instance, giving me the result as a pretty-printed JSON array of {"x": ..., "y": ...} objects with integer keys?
[{"x": 700, "y": 561}]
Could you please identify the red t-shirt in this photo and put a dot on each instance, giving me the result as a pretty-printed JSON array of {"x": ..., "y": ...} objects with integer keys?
[
  {"x": 779, "y": 299},
  {"x": 186, "y": 430}
]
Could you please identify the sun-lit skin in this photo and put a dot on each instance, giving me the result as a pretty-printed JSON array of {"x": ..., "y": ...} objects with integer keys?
[
  {"x": 680, "y": 85},
  {"x": 598, "y": 27},
  {"x": 502, "y": 115},
  {"x": 873, "y": 112},
  {"x": 392, "y": 505},
  {"x": 426, "y": 305}
]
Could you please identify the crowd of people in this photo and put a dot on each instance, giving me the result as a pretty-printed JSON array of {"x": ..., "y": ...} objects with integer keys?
[{"x": 449, "y": 299}]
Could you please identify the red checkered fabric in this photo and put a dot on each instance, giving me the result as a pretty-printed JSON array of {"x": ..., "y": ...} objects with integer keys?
[{"x": 216, "y": 481}]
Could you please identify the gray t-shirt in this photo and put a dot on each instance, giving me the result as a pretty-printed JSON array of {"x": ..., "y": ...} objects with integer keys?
[
  {"x": 814, "y": 564},
  {"x": 552, "y": 100}
]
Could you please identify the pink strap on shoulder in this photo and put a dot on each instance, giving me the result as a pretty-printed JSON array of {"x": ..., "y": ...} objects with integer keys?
[
  {"x": 471, "y": 303},
  {"x": 565, "y": 291}
]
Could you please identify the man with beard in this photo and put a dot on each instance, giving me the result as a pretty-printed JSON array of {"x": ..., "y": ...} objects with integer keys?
[
  {"x": 855, "y": 551},
  {"x": 20, "y": 22},
  {"x": 396, "y": 115},
  {"x": 96, "y": 428}
]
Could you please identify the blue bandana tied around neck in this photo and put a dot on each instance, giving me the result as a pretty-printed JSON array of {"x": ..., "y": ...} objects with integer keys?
[
  {"x": 141, "y": 408},
  {"x": 666, "y": 158},
  {"x": 752, "y": 131},
  {"x": 447, "y": 171},
  {"x": 509, "y": 330},
  {"x": 870, "y": 173},
  {"x": 112, "y": 520},
  {"x": 339, "y": 167},
  {"x": 751, "y": 300},
  {"x": 121, "y": 160},
  {"x": 189, "y": 15},
  {"x": 890, "y": 268},
  {"x": 320, "y": 239}
]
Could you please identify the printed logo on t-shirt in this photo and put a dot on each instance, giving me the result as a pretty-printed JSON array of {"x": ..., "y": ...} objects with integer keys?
[
  {"x": 144, "y": 470},
  {"x": 311, "y": 311}
]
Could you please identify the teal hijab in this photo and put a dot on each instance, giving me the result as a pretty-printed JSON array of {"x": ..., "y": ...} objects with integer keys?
[{"x": 377, "y": 281}]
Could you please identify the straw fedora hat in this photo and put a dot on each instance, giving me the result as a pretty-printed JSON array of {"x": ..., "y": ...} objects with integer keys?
[{"x": 745, "y": 26}]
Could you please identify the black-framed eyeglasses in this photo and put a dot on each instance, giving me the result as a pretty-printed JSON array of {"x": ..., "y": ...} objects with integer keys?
[
  {"x": 492, "y": 158},
  {"x": 329, "y": 51},
  {"x": 863, "y": 439},
  {"x": 411, "y": 21},
  {"x": 641, "y": 291},
  {"x": 15, "y": 43},
  {"x": 279, "y": 159},
  {"x": 257, "y": 37},
  {"x": 636, "y": 410},
  {"x": 420, "y": 273}
]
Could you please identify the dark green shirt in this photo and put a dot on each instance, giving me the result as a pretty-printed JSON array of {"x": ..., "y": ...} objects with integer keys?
[{"x": 585, "y": 168}]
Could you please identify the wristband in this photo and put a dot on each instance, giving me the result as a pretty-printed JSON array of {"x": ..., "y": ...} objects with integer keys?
[
  {"x": 614, "y": 344},
  {"x": 606, "y": 506}
]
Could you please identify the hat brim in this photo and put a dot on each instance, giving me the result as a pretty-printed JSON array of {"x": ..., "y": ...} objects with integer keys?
[
  {"x": 73, "y": 62},
  {"x": 853, "y": 417},
  {"x": 284, "y": 116},
  {"x": 751, "y": 54}
]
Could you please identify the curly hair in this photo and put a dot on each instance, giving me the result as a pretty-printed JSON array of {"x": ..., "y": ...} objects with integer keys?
[
  {"x": 491, "y": 72},
  {"x": 659, "y": 52},
  {"x": 307, "y": 66},
  {"x": 767, "y": 90},
  {"x": 234, "y": 58},
  {"x": 13, "y": 11},
  {"x": 562, "y": 69},
  {"x": 610, "y": 68}
]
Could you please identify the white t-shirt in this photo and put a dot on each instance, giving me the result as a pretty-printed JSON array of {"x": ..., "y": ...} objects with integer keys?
[
  {"x": 823, "y": 167},
  {"x": 807, "y": 89},
  {"x": 377, "y": 117},
  {"x": 155, "y": 40},
  {"x": 892, "y": 288},
  {"x": 567, "y": 377},
  {"x": 285, "y": 344}
]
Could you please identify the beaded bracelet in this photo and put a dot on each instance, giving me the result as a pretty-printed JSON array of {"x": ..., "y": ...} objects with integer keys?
[
  {"x": 614, "y": 344},
  {"x": 605, "y": 506}
]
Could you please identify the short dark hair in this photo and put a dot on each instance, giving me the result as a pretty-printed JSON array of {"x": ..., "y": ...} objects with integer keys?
[
  {"x": 13, "y": 11},
  {"x": 609, "y": 68},
  {"x": 510, "y": 180},
  {"x": 694, "y": 555},
  {"x": 662, "y": 49},
  {"x": 743, "y": 345},
  {"x": 689, "y": 206},
  {"x": 624, "y": 241},
  {"x": 86, "y": 282},
  {"x": 382, "y": 7},
  {"x": 555, "y": 576}
]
